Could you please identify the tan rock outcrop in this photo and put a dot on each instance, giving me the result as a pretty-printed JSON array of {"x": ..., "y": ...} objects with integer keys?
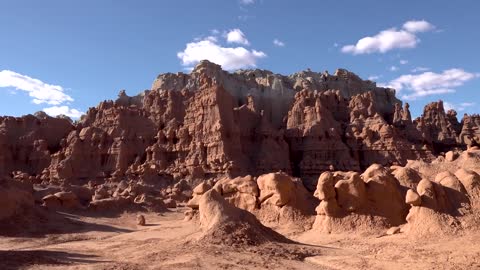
[{"x": 353, "y": 202}]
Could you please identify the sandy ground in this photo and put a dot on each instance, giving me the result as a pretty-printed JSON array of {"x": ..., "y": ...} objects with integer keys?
[{"x": 168, "y": 242}]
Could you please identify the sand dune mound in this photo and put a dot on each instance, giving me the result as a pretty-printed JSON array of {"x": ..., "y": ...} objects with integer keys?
[{"x": 226, "y": 224}]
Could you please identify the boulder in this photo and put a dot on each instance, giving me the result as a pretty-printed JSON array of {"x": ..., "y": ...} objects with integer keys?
[
  {"x": 276, "y": 189},
  {"x": 67, "y": 199},
  {"x": 413, "y": 198},
  {"x": 52, "y": 202},
  {"x": 325, "y": 187},
  {"x": 240, "y": 191},
  {"x": 450, "y": 156},
  {"x": 351, "y": 193},
  {"x": 141, "y": 220}
]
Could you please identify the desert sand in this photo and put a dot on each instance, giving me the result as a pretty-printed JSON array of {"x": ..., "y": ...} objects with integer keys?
[{"x": 168, "y": 242}]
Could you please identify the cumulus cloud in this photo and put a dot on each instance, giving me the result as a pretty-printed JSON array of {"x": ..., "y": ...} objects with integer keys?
[
  {"x": 430, "y": 83},
  {"x": 374, "y": 77},
  {"x": 230, "y": 58},
  {"x": 389, "y": 39},
  {"x": 418, "y": 26},
  {"x": 403, "y": 62},
  {"x": 384, "y": 41},
  {"x": 65, "y": 110},
  {"x": 40, "y": 92},
  {"x": 278, "y": 43},
  {"x": 237, "y": 36}
]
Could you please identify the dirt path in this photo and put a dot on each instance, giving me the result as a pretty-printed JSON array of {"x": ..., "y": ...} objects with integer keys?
[{"x": 167, "y": 242}]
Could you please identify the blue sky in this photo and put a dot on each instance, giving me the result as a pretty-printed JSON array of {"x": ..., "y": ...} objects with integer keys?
[{"x": 65, "y": 56}]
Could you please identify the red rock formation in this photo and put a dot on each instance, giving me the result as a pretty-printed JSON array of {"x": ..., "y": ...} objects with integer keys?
[
  {"x": 436, "y": 127},
  {"x": 107, "y": 140},
  {"x": 211, "y": 123},
  {"x": 16, "y": 200},
  {"x": 315, "y": 136},
  {"x": 27, "y": 142},
  {"x": 470, "y": 133}
]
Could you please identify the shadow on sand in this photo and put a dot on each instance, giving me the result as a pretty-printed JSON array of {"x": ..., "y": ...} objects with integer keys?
[
  {"x": 39, "y": 223},
  {"x": 22, "y": 258}
]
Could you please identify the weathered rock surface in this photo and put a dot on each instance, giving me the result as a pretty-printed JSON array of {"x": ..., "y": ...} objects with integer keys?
[
  {"x": 15, "y": 199},
  {"x": 210, "y": 124},
  {"x": 350, "y": 201},
  {"x": 27, "y": 142}
]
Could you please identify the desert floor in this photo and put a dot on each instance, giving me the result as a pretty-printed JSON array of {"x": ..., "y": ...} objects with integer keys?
[{"x": 168, "y": 242}]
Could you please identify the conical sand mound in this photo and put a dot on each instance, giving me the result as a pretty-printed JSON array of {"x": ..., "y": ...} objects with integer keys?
[{"x": 226, "y": 224}]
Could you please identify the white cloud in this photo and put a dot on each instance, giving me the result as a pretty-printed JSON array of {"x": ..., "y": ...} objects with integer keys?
[
  {"x": 458, "y": 107},
  {"x": 420, "y": 69},
  {"x": 430, "y": 83},
  {"x": 58, "y": 110},
  {"x": 278, "y": 43},
  {"x": 389, "y": 39},
  {"x": 393, "y": 68},
  {"x": 374, "y": 77},
  {"x": 228, "y": 57},
  {"x": 418, "y": 26},
  {"x": 40, "y": 92},
  {"x": 382, "y": 42},
  {"x": 467, "y": 104},
  {"x": 464, "y": 105},
  {"x": 247, "y": 2},
  {"x": 237, "y": 36},
  {"x": 403, "y": 62},
  {"x": 448, "y": 106}
]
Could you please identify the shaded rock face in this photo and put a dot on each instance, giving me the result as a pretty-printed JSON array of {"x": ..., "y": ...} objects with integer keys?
[
  {"x": 106, "y": 142},
  {"x": 470, "y": 132},
  {"x": 315, "y": 133},
  {"x": 373, "y": 139},
  {"x": 437, "y": 127},
  {"x": 27, "y": 142},
  {"x": 15, "y": 199},
  {"x": 211, "y": 123}
]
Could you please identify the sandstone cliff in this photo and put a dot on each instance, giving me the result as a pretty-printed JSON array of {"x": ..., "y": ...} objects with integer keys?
[{"x": 211, "y": 123}]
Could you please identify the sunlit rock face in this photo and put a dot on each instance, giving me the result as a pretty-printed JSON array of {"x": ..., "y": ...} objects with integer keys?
[{"x": 212, "y": 123}]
